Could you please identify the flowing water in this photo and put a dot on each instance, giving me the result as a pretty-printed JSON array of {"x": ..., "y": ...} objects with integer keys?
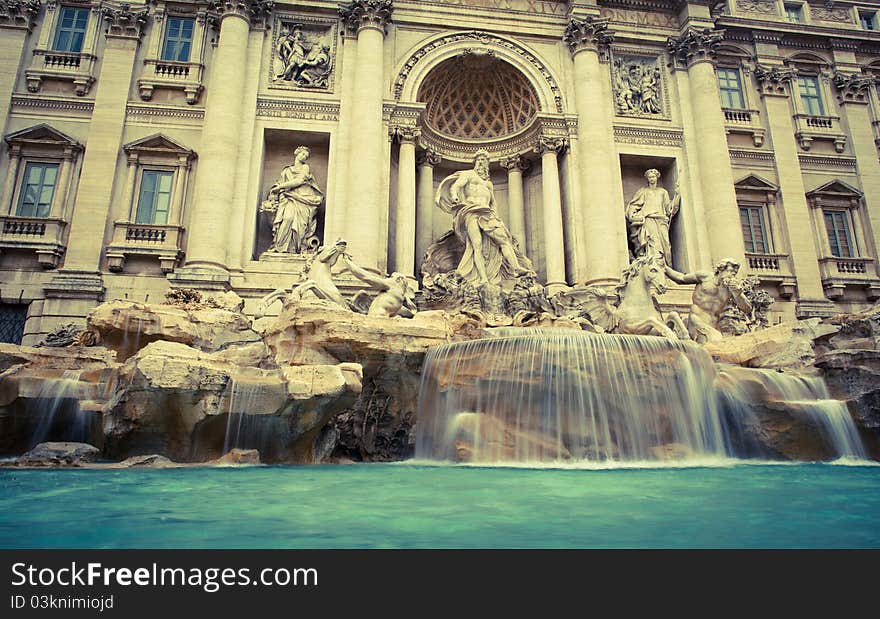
[
  {"x": 57, "y": 411},
  {"x": 531, "y": 395}
]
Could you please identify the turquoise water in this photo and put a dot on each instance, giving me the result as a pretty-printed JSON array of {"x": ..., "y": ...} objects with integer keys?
[{"x": 411, "y": 506}]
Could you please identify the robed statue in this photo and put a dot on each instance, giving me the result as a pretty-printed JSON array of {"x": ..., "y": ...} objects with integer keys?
[
  {"x": 490, "y": 254},
  {"x": 648, "y": 215},
  {"x": 294, "y": 200}
]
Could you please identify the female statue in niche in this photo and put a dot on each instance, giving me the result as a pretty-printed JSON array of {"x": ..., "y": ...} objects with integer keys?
[
  {"x": 294, "y": 199},
  {"x": 648, "y": 214}
]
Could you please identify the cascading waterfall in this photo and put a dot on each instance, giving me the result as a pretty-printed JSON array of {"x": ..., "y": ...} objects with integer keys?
[
  {"x": 532, "y": 395},
  {"x": 244, "y": 430},
  {"x": 57, "y": 411},
  {"x": 807, "y": 396}
]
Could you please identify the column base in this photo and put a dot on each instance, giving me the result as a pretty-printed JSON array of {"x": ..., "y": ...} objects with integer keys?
[
  {"x": 200, "y": 278},
  {"x": 814, "y": 308},
  {"x": 75, "y": 285}
]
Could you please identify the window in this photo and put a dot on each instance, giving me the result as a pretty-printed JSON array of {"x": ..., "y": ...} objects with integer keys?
[
  {"x": 811, "y": 98},
  {"x": 839, "y": 234},
  {"x": 12, "y": 320},
  {"x": 731, "y": 89},
  {"x": 753, "y": 229},
  {"x": 155, "y": 197},
  {"x": 71, "y": 29},
  {"x": 868, "y": 20},
  {"x": 178, "y": 39},
  {"x": 794, "y": 13},
  {"x": 37, "y": 190}
]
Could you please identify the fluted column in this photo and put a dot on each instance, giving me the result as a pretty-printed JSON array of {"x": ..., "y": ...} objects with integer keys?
[
  {"x": 773, "y": 85},
  {"x": 515, "y": 167},
  {"x": 95, "y": 190},
  {"x": 605, "y": 252},
  {"x": 853, "y": 92},
  {"x": 365, "y": 164},
  {"x": 17, "y": 20},
  {"x": 551, "y": 210},
  {"x": 695, "y": 51},
  {"x": 405, "y": 217},
  {"x": 209, "y": 226},
  {"x": 425, "y": 204}
]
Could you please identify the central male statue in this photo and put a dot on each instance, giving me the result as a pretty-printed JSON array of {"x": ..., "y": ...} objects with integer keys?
[{"x": 490, "y": 255}]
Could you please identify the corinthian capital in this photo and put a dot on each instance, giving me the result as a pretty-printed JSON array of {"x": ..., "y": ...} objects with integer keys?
[
  {"x": 360, "y": 14},
  {"x": 548, "y": 143},
  {"x": 589, "y": 33},
  {"x": 694, "y": 45},
  {"x": 852, "y": 87},
  {"x": 428, "y": 157},
  {"x": 772, "y": 80},
  {"x": 122, "y": 22},
  {"x": 251, "y": 10},
  {"x": 404, "y": 133},
  {"x": 19, "y": 13}
]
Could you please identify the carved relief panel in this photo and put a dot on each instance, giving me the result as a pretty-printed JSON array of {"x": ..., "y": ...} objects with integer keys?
[
  {"x": 303, "y": 54},
  {"x": 638, "y": 86}
]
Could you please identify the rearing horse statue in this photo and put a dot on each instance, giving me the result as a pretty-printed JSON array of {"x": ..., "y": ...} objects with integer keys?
[{"x": 632, "y": 307}]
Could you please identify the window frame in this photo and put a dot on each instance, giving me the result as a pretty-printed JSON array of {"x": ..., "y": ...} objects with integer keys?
[
  {"x": 165, "y": 39},
  {"x": 740, "y": 87},
  {"x": 795, "y": 7},
  {"x": 849, "y": 230},
  {"x": 144, "y": 168},
  {"x": 761, "y": 209},
  {"x": 872, "y": 19},
  {"x": 19, "y": 193},
  {"x": 803, "y": 97},
  {"x": 59, "y": 29}
]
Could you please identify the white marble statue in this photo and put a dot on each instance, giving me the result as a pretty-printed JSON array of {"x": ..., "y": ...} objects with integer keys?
[
  {"x": 490, "y": 255},
  {"x": 395, "y": 298},
  {"x": 712, "y": 294},
  {"x": 648, "y": 215},
  {"x": 294, "y": 200}
]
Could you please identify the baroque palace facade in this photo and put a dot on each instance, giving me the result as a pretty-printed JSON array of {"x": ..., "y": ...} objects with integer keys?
[{"x": 144, "y": 144}]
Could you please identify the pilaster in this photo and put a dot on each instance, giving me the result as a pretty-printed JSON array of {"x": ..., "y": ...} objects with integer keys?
[
  {"x": 774, "y": 83},
  {"x": 17, "y": 20},
  {"x": 80, "y": 276}
]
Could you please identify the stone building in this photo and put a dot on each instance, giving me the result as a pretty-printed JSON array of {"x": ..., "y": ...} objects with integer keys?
[{"x": 142, "y": 141}]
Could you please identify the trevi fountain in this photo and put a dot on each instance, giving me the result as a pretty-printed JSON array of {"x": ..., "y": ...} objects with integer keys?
[{"x": 475, "y": 407}]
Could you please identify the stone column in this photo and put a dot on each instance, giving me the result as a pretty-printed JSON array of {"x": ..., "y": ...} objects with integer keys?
[
  {"x": 773, "y": 86},
  {"x": 59, "y": 201},
  {"x": 605, "y": 251},
  {"x": 366, "y": 154},
  {"x": 95, "y": 191},
  {"x": 853, "y": 92},
  {"x": 551, "y": 210},
  {"x": 515, "y": 167},
  {"x": 425, "y": 204},
  {"x": 209, "y": 225},
  {"x": 17, "y": 19},
  {"x": 695, "y": 50},
  {"x": 6, "y": 205},
  {"x": 335, "y": 211},
  {"x": 405, "y": 218}
]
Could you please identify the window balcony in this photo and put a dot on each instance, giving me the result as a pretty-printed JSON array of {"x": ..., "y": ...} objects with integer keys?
[
  {"x": 747, "y": 122},
  {"x": 774, "y": 269},
  {"x": 185, "y": 76},
  {"x": 43, "y": 236},
  {"x": 75, "y": 67},
  {"x": 158, "y": 240},
  {"x": 838, "y": 273},
  {"x": 810, "y": 127}
]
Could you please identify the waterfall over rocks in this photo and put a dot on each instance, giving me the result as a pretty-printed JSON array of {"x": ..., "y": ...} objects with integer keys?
[{"x": 530, "y": 395}]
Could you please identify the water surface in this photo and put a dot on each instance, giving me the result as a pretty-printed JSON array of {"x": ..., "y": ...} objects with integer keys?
[{"x": 419, "y": 506}]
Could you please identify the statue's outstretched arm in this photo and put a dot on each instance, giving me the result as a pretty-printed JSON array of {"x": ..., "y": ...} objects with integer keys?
[
  {"x": 684, "y": 278},
  {"x": 376, "y": 281}
]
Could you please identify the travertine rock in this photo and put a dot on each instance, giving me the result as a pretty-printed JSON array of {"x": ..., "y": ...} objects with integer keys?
[
  {"x": 239, "y": 456},
  {"x": 191, "y": 405},
  {"x": 126, "y": 327},
  {"x": 786, "y": 345},
  {"x": 59, "y": 454}
]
